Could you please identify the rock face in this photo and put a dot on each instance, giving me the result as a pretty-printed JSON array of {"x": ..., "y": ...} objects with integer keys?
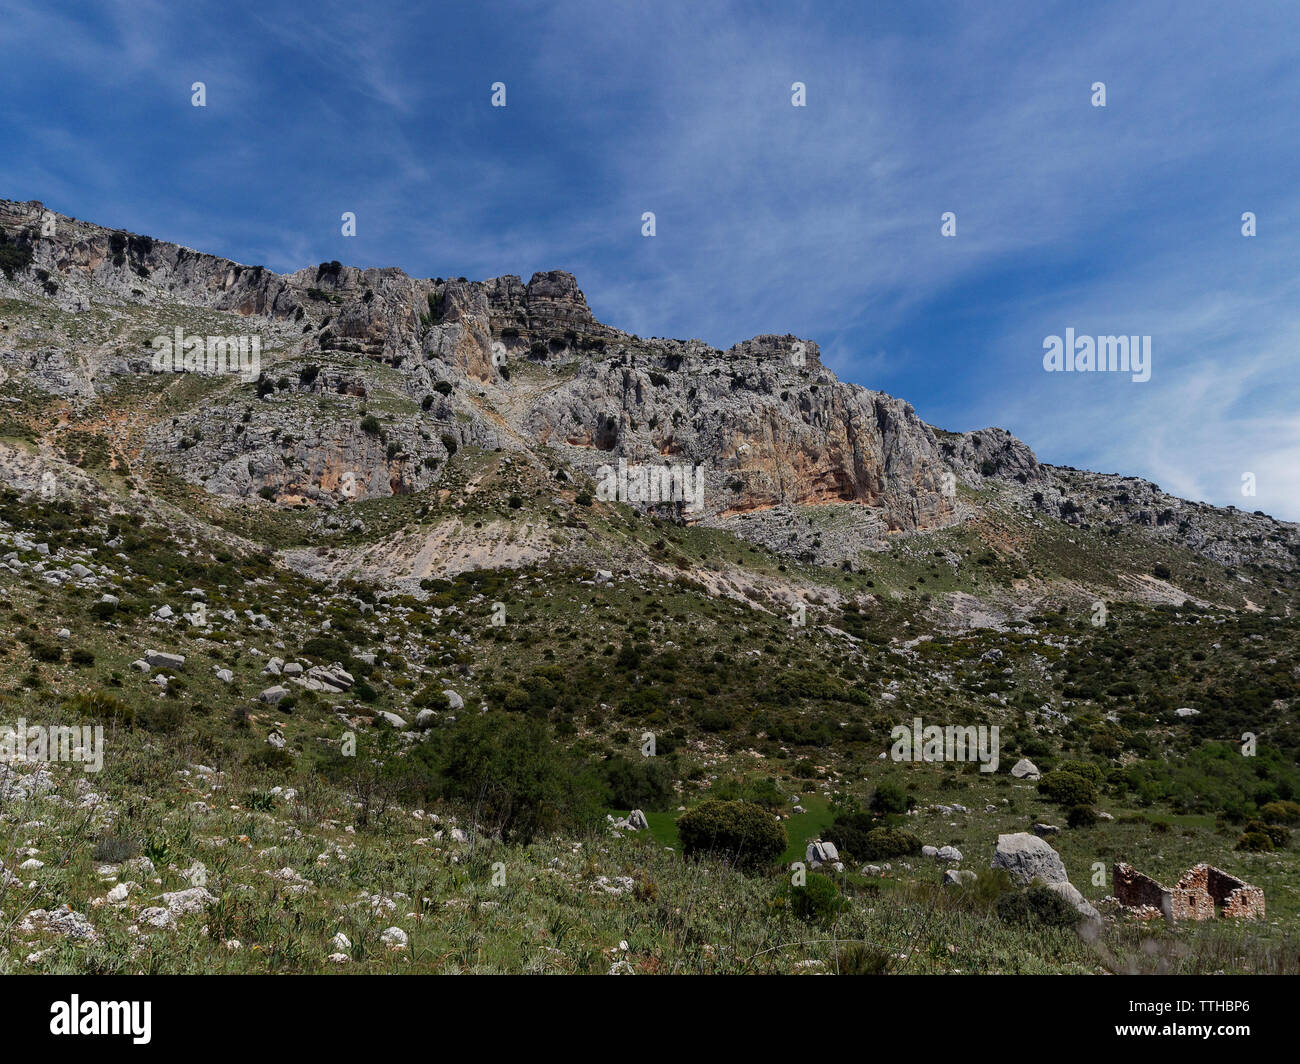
[
  {"x": 769, "y": 429},
  {"x": 786, "y": 455},
  {"x": 1027, "y": 857},
  {"x": 769, "y": 436},
  {"x": 994, "y": 453}
]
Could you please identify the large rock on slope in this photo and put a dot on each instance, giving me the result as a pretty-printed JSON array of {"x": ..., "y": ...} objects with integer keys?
[{"x": 1027, "y": 857}]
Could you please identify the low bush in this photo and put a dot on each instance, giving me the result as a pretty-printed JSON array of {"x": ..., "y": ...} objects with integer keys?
[
  {"x": 744, "y": 833},
  {"x": 1067, "y": 788},
  {"x": 1036, "y": 907}
]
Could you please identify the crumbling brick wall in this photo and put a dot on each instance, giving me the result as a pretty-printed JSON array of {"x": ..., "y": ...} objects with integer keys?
[
  {"x": 1234, "y": 896},
  {"x": 1140, "y": 893},
  {"x": 1191, "y": 896},
  {"x": 1201, "y": 894}
]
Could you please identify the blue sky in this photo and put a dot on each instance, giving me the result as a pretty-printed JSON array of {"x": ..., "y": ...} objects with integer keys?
[{"x": 823, "y": 221}]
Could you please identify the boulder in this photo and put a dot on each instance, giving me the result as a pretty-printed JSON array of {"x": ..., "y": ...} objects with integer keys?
[
  {"x": 1070, "y": 893},
  {"x": 955, "y": 877},
  {"x": 156, "y": 916},
  {"x": 272, "y": 695},
  {"x": 1027, "y": 857},
  {"x": 636, "y": 820},
  {"x": 160, "y": 660},
  {"x": 1024, "y": 769},
  {"x": 820, "y": 853},
  {"x": 193, "y": 900}
]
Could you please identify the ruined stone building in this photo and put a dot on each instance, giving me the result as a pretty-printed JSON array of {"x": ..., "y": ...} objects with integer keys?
[{"x": 1203, "y": 893}]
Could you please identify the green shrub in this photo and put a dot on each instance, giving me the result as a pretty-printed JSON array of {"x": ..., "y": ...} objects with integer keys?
[
  {"x": 1256, "y": 842},
  {"x": 883, "y": 843},
  {"x": 1081, "y": 816},
  {"x": 849, "y": 832},
  {"x": 1277, "y": 833},
  {"x": 638, "y": 783},
  {"x": 1066, "y": 788},
  {"x": 1035, "y": 907},
  {"x": 432, "y": 696},
  {"x": 742, "y": 832},
  {"x": 102, "y": 707},
  {"x": 263, "y": 801},
  {"x": 114, "y": 849},
  {"x": 817, "y": 902},
  {"x": 325, "y": 650},
  {"x": 1087, "y": 770},
  {"x": 889, "y": 798},
  {"x": 13, "y": 256},
  {"x": 1280, "y": 812},
  {"x": 513, "y": 778}
]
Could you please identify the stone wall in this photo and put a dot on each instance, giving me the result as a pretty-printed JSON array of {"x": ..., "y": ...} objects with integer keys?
[
  {"x": 1141, "y": 894},
  {"x": 1234, "y": 896},
  {"x": 1202, "y": 893}
]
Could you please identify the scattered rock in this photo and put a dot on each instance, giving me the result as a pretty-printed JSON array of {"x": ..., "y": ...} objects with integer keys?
[
  {"x": 160, "y": 660},
  {"x": 1024, "y": 769}
]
